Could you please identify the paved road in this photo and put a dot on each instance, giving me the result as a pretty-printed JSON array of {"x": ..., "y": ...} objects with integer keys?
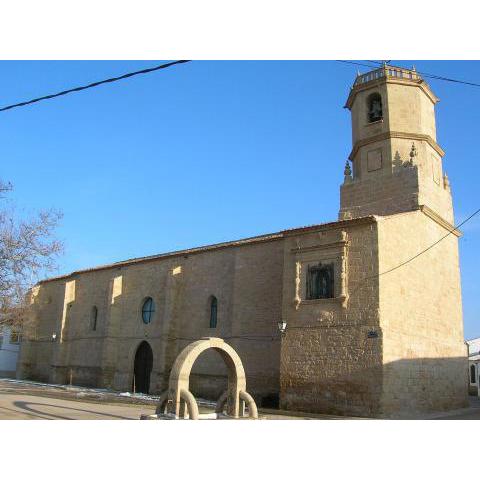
[
  {"x": 29, "y": 402},
  {"x": 31, "y": 407},
  {"x": 26, "y": 401}
]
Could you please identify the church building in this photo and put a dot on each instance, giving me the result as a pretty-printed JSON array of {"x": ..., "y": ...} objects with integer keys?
[{"x": 330, "y": 318}]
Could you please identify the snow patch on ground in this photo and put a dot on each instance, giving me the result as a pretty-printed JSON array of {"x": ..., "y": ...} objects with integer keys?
[
  {"x": 97, "y": 392},
  {"x": 141, "y": 396},
  {"x": 55, "y": 385}
]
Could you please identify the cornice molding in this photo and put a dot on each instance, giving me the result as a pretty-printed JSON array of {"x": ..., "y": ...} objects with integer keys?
[
  {"x": 418, "y": 83},
  {"x": 440, "y": 220},
  {"x": 324, "y": 246},
  {"x": 332, "y": 225},
  {"x": 392, "y": 134}
]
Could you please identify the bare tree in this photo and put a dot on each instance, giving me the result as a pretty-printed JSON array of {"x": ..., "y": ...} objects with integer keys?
[{"x": 28, "y": 250}]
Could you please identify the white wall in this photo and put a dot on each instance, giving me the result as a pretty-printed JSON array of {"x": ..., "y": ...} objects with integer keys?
[
  {"x": 8, "y": 354},
  {"x": 473, "y": 346}
]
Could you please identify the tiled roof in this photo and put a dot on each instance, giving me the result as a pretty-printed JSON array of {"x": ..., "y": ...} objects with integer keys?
[{"x": 235, "y": 243}]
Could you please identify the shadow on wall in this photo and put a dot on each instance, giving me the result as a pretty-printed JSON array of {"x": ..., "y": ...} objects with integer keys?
[
  {"x": 415, "y": 386},
  {"x": 209, "y": 379},
  {"x": 407, "y": 388}
]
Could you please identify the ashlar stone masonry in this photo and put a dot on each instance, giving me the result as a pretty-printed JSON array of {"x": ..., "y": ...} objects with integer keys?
[{"x": 362, "y": 337}]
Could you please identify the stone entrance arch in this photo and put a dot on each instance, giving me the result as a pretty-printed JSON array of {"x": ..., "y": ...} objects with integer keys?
[{"x": 179, "y": 394}]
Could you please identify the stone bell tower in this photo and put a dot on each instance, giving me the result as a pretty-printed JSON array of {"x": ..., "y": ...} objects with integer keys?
[{"x": 397, "y": 163}]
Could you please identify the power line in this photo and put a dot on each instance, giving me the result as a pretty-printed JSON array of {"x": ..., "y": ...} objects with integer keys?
[
  {"x": 166, "y": 65},
  {"x": 276, "y": 337},
  {"x": 419, "y": 253},
  {"x": 425, "y": 74},
  {"x": 302, "y": 327},
  {"x": 95, "y": 84},
  {"x": 438, "y": 77},
  {"x": 432, "y": 245}
]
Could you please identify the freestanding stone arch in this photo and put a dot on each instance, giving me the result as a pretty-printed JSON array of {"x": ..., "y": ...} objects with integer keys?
[{"x": 179, "y": 383}]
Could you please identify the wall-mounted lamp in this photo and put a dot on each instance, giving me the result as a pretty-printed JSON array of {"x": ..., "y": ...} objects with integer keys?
[
  {"x": 54, "y": 337},
  {"x": 282, "y": 326}
]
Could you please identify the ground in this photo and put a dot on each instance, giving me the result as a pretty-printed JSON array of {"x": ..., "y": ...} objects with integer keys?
[
  {"x": 24, "y": 401},
  {"x": 21, "y": 400}
]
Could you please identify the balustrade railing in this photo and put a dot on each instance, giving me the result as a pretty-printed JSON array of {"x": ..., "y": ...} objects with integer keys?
[{"x": 387, "y": 71}]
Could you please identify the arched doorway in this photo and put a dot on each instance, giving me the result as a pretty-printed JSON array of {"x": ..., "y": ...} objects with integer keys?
[{"x": 142, "y": 368}]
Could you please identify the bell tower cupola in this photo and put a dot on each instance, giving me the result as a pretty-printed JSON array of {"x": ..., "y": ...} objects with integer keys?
[{"x": 396, "y": 161}]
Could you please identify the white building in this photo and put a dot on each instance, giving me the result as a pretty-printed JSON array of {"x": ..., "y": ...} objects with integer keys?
[
  {"x": 9, "y": 347},
  {"x": 474, "y": 365}
]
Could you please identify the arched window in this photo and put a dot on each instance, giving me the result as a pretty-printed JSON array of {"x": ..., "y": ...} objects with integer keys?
[
  {"x": 148, "y": 309},
  {"x": 213, "y": 312},
  {"x": 374, "y": 107},
  {"x": 472, "y": 374},
  {"x": 94, "y": 317}
]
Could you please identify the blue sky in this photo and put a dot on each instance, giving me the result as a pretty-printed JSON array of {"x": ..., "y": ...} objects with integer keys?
[{"x": 207, "y": 152}]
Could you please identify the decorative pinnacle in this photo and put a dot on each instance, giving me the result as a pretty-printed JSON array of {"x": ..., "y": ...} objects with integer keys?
[
  {"x": 446, "y": 182},
  {"x": 348, "y": 171},
  {"x": 413, "y": 153}
]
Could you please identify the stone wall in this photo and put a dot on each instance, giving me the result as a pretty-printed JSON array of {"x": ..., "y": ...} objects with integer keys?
[
  {"x": 383, "y": 192},
  {"x": 246, "y": 280},
  {"x": 383, "y": 346},
  {"x": 388, "y": 176},
  {"x": 424, "y": 356},
  {"x": 329, "y": 364}
]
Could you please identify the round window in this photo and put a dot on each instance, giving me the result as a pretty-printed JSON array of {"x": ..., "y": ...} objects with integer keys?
[{"x": 148, "y": 310}]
